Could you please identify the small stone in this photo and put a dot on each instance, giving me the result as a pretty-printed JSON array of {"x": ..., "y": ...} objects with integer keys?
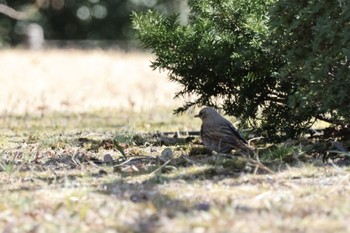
[
  {"x": 203, "y": 206},
  {"x": 166, "y": 154},
  {"x": 107, "y": 158}
]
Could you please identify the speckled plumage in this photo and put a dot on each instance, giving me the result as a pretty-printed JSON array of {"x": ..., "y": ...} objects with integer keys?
[{"x": 218, "y": 134}]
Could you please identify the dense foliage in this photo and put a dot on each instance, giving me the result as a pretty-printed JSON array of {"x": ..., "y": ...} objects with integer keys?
[
  {"x": 259, "y": 57},
  {"x": 313, "y": 39}
]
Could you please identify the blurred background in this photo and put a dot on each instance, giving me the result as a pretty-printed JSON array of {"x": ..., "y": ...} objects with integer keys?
[
  {"x": 79, "y": 55},
  {"x": 79, "y": 23}
]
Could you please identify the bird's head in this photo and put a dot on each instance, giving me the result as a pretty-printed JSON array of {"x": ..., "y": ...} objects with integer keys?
[{"x": 206, "y": 112}]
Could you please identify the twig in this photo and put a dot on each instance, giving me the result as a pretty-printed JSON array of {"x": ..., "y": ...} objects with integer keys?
[
  {"x": 12, "y": 13},
  {"x": 331, "y": 121},
  {"x": 133, "y": 159},
  {"x": 191, "y": 133},
  {"x": 339, "y": 146},
  {"x": 159, "y": 168},
  {"x": 188, "y": 160},
  {"x": 254, "y": 139},
  {"x": 258, "y": 164}
]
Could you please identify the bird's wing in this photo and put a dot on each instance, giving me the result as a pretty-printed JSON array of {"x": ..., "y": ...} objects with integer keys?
[
  {"x": 229, "y": 127},
  {"x": 225, "y": 131},
  {"x": 223, "y": 137}
]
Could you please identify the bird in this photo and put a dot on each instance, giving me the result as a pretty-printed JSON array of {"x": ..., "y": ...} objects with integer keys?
[{"x": 218, "y": 134}]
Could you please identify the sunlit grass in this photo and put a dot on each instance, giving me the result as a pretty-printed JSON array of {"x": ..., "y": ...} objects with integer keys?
[
  {"x": 60, "y": 118},
  {"x": 80, "y": 81}
]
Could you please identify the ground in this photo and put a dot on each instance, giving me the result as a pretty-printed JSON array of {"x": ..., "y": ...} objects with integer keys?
[{"x": 84, "y": 149}]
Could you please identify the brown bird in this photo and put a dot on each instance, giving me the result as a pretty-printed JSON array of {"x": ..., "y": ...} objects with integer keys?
[{"x": 218, "y": 134}]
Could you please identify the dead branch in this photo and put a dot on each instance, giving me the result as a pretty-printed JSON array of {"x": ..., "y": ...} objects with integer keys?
[
  {"x": 12, "y": 13},
  {"x": 329, "y": 120}
]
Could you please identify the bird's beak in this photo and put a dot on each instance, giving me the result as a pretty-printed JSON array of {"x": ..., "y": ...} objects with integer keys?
[{"x": 196, "y": 115}]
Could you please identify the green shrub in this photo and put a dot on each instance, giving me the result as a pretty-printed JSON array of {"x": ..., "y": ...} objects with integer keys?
[
  {"x": 218, "y": 54},
  {"x": 266, "y": 60},
  {"x": 313, "y": 40}
]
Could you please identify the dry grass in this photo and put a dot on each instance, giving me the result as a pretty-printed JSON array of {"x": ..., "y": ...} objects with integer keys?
[
  {"x": 52, "y": 178},
  {"x": 73, "y": 80}
]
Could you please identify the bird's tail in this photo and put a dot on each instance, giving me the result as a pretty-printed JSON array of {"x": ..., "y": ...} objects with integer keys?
[{"x": 247, "y": 149}]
